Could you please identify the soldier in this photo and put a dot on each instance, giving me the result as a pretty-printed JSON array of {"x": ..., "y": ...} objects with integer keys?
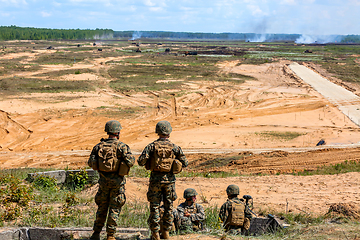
[
  {"x": 234, "y": 213},
  {"x": 190, "y": 215},
  {"x": 112, "y": 159},
  {"x": 163, "y": 158}
]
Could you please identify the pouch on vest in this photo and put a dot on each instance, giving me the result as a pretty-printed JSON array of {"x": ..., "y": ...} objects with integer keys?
[
  {"x": 191, "y": 210},
  {"x": 176, "y": 166},
  {"x": 108, "y": 161},
  {"x": 237, "y": 215},
  {"x": 123, "y": 169},
  {"x": 93, "y": 162},
  {"x": 163, "y": 158}
]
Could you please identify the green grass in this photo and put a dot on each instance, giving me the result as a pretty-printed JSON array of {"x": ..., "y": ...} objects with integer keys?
[
  {"x": 219, "y": 162},
  {"x": 142, "y": 74},
  {"x": 29, "y": 85},
  {"x": 345, "y": 167},
  {"x": 286, "y": 136}
]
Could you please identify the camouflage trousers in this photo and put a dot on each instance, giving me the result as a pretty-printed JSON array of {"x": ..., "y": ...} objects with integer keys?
[
  {"x": 161, "y": 192},
  {"x": 109, "y": 199}
]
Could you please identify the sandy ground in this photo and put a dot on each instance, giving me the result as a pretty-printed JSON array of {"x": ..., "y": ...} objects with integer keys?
[
  {"x": 298, "y": 194},
  {"x": 58, "y": 130}
]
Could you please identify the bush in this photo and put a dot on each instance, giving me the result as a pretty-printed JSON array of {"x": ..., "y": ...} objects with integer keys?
[
  {"x": 45, "y": 182},
  {"x": 77, "y": 180}
]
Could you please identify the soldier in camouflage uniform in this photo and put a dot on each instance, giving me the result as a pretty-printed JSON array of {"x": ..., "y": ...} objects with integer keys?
[
  {"x": 111, "y": 193},
  {"x": 189, "y": 215},
  {"x": 239, "y": 222},
  {"x": 162, "y": 181}
]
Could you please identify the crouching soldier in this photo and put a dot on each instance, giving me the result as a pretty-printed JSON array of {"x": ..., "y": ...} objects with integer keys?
[
  {"x": 234, "y": 213},
  {"x": 164, "y": 159},
  {"x": 189, "y": 215},
  {"x": 112, "y": 159}
]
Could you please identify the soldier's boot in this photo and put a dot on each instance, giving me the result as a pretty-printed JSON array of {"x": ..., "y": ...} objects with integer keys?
[
  {"x": 95, "y": 236},
  {"x": 165, "y": 235},
  {"x": 110, "y": 237},
  {"x": 155, "y": 236}
]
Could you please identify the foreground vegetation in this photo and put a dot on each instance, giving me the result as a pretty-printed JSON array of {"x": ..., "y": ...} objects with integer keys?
[{"x": 43, "y": 203}]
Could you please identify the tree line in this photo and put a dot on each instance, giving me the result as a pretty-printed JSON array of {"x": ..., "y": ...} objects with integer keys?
[{"x": 29, "y": 33}]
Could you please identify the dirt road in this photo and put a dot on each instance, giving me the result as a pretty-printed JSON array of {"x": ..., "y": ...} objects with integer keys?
[{"x": 347, "y": 102}]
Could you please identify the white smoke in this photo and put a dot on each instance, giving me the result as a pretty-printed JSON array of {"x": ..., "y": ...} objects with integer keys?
[
  {"x": 104, "y": 36},
  {"x": 258, "y": 38},
  {"x": 307, "y": 39},
  {"x": 136, "y": 35}
]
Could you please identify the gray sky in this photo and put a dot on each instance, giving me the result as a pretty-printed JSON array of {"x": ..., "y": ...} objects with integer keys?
[{"x": 314, "y": 17}]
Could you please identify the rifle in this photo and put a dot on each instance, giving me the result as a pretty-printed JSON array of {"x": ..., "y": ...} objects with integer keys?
[{"x": 249, "y": 206}]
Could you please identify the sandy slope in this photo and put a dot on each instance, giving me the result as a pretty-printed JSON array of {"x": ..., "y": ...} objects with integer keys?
[{"x": 49, "y": 130}]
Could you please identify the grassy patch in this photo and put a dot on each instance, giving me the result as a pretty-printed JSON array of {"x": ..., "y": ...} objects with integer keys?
[
  {"x": 145, "y": 73},
  {"x": 14, "y": 85},
  {"x": 128, "y": 112},
  {"x": 219, "y": 162},
  {"x": 347, "y": 166},
  {"x": 286, "y": 136},
  {"x": 347, "y": 70}
]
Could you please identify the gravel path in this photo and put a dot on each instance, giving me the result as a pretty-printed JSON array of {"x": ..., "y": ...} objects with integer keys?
[{"x": 346, "y": 101}]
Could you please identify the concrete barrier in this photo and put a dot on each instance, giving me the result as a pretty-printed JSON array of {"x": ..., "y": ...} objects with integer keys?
[
  {"x": 62, "y": 176},
  {"x": 67, "y": 233}
]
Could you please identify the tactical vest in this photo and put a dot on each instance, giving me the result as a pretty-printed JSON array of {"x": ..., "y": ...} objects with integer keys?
[
  {"x": 191, "y": 210},
  {"x": 163, "y": 157},
  {"x": 237, "y": 214},
  {"x": 108, "y": 161}
]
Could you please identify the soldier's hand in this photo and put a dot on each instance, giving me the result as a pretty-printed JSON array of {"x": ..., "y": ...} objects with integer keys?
[{"x": 186, "y": 214}]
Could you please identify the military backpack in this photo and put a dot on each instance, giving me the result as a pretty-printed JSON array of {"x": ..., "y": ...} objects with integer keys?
[
  {"x": 163, "y": 157},
  {"x": 237, "y": 214},
  {"x": 108, "y": 160}
]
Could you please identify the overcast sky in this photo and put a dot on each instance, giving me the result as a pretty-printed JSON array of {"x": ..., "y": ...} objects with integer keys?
[{"x": 239, "y": 16}]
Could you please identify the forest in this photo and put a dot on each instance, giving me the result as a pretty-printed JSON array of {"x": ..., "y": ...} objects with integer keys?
[{"x": 30, "y": 33}]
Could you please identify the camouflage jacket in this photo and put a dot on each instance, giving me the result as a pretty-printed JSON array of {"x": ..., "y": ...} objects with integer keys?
[
  {"x": 123, "y": 153},
  {"x": 226, "y": 208},
  {"x": 196, "y": 210},
  {"x": 161, "y": 177}
]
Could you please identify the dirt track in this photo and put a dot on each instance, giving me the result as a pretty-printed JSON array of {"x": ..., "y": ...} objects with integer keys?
[{"x": 59, "y": 129}]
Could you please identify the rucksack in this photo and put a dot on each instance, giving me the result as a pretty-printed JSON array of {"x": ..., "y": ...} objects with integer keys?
[
  {"x": 163, "y": 157},
  {"x": 108, "y": 161},
  {"x": 237, "y": 214}
]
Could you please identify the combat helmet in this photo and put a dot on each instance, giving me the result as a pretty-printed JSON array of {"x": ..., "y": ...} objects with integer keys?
[
  {"x": 232, "y": 190},
  {"x": 113, "y": 126},
  {"x": 163, "y": 127},
  {"x": 190, "y": 192}
]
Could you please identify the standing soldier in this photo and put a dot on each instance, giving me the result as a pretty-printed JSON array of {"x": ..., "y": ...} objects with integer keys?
[
  {"x": 112, "y": 159},
  {"x": 234, "y": 213},
  {"x": 190, "y": 215},
  {"x": 164, "y": 159}
]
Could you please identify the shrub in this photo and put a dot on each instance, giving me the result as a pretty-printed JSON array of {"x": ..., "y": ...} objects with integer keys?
[
  {"x": 77, "y": 180},
  {"x": 45, "y": 182}
]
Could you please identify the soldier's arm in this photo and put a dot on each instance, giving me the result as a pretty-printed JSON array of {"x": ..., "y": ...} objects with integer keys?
[
  {"x": 93, "y": 157},
  {"x": 145, "y": 155},
  {"x": 223, "y": 212},
  {"x": 126, "y": 154},
  {"x": 180, "y": 156},
  {"x": 199, "y": 215}
]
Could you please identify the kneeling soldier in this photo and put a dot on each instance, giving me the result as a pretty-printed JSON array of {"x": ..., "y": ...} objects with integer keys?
[
  {"x": 190, "y": 215},
  {"x": 234, "y": 213}
]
